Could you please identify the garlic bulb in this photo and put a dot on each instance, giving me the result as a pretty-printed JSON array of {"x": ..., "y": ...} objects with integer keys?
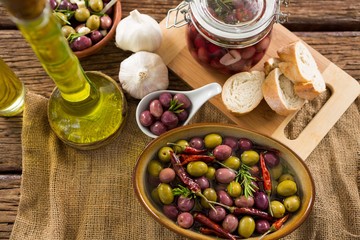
[
  {"x": 138, "y": 32},
  {"x": 143, "y": 73}
]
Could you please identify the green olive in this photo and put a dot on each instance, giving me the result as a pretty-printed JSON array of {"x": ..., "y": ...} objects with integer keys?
[
  {"x": 154, "y": 167},
  {"x": 165, "y": 193},
  {"x": 276, "y": 171},
  {"x": 234, "y": 189},
  {"x": 232, "y": 162},
  {"x": 82, "y": 14},
  {"x": 62, "y": 18},
  {"x": 96, "y": 5},
  {"x": 250, "y": 157},
  {"x": 209, "y": 194},
  {"x": 212, "y": 140},
  {"x": 210, "y": 174},
  {"x": 246, "y": 226},
  {"x": 67, "y": 30},
  {"x": 155, "y": 195},
  {"x": 93, "y": 22},
  {"x": 180, "y": 145},
  {"x": 286, "y": 188},
  {"x": 286, "y": 176},
  {"x": 292, "y": 203},
  {"x": 164, "y": 154},
  {"x": 197, "y": 168},
  {"x": 277, "y": 208}
]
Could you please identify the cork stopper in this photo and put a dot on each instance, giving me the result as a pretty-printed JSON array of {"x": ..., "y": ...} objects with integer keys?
[{"x": 24, "y": 9}]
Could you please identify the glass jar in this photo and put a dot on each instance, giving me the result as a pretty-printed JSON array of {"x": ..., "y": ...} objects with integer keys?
[{"x": 230, "y": 36}]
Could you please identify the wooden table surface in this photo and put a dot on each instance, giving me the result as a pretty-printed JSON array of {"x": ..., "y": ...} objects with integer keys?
[{"x": 332, "y": 27}]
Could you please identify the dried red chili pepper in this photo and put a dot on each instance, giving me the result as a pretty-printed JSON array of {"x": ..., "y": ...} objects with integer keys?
[
  {"x": 266, "y": 179},
  {"x": 209, "y": 231},
  {"x": 265, "y": 149},
  {"x": 201, "y": 218},
  {"x": 185, "y": 158},
  {"x": 276, "y": 225}
]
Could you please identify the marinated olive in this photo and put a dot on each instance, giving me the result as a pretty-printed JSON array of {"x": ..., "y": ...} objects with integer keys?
[
  {"x": 171, "y": 211},
  {"x": 292, "y": 203},
  {"x": 224, "y": 198},
  {"x": 250, "y": 157},
  {"x": 93, "y": 22},
  {"x": 105, "y": 22},
  {"x": 217, "y": 214},
  {"x": 224, "y": 175},
  {"x": 246, "y": 226},
  {"x": 277, "y": 208},
  {"x": 222, "y": 152},
  {"x": 81, "y": 43},
  {"x": 271, "y": 159},
  {"x": 286, "y": 176},
  {"x": 262, "y": 226},
  {"x": 165, "y": 193},
  {"x": 180, "y": 145},
  {"x": 61, "y": 17},
  {"x": 261, "y": 200},
  {"x": 210, "y": 174},
  {"x": 96, "y": 5},
  {"x": 245, "y": 144},
  {"x": 203, "y": 182},
  {"x": 185, "y": 220},
  {"x": 154, "y": 167},
  {"x": 231, "y": 142},
  {"x": 158, "y": 128},
  {"x": 164, "y": 154},
  {"x": 96, "y": 36},
  {"x": 232, "y": 162},
  {"x": 182, "y": 99},
  {"x": 155, "y": 195},
  {"x": 212, "y": 140},
  {"x": 167, "y": 175},
  {"x": 82, "y": 14},
  {"x": 276, "y": 171},
  {"x": 165, "y": 99},
  {"x": 286, "y": 188},
  {"x": 230, "y": 223},
  {"x": 67, "y": 30},
  {"x": 234, "y": 189},
  {"x": 196, "y": 142},
  {"x": 185, "y": 204},
  {"x": 197, "y": 168},
  {"x": 210, "y": 194},
  {"x": 156, "y": 108},
  {"x": 244, "y": 201}
]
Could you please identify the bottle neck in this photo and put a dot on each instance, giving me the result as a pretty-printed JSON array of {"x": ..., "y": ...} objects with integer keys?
[{"x": 52, "y": 49}]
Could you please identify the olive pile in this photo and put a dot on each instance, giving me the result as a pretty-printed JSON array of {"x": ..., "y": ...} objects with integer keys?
[
  {"x": 166, "y": 112},
  {"x": 82, "y": 24},
  {"x": 217, "y": 186}
]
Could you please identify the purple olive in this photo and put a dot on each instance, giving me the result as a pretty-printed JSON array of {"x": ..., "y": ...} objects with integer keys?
[
  {"x": 171, "y": 211},
  {"x": 169, "y": 119},
  {"x": 158, "y": 128},
  {"x": 105, "y": 22},
  {"x": 96, "y": 36},
  {"x": 230, "y": 223},
  {"x": 167, "y": 175},
  {"x": 146, "y": 119},
  {"x": 243, "y": 201},
  {"x": 53, "y": 4},
  {"x": 218, "y": 214},
  {"x": 231, "y": 142},
  {"x": 224, "y": 175},
  {"x": 165, "y": 99},
  {"x": 182, "y": 99},
  {"x": 185, "y": 204},
  {"x": 261, "y": 200},
  {"x": 185, "y": 220},
  {"x": 197, "y": 142},
  {"x": 81, "y": 43},
  {"x": 271, "y": 159},
  {"x": 245, "y": 144},
  {"x": 262, "y": 226},
  {"x": 183, "y": 115},
  {"x": 155, "y": 108},
  {"x": 65, "y": 5},
  {"x": 225, "y": 198},
  {"x": 203, "y": 182},
  {"x": 222, "y": 152}
]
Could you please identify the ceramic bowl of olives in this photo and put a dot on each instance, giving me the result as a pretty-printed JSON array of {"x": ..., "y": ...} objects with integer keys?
[
  {"x": 209, "y": 180},
  {"x": 87, "y": 25}
]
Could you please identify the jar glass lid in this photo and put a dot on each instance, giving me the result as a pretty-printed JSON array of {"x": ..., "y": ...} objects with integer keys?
[{"x": 233, "y": 19}]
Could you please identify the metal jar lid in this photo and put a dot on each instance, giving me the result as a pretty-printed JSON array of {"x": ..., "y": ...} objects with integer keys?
[{"x": 226, "y": 22}]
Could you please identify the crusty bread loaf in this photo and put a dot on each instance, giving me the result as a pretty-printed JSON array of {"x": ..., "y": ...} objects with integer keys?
[
  {"x": 279, "y": 93},
  {"x": 271, "y": 64},
  {"x": 297, "y": 63},
  {"x": 311, "y": 90},
  {"x": 241, "y": 93}
]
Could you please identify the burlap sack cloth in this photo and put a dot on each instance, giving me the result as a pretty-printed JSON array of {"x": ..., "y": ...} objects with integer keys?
[{"x": 71, "y": 194}]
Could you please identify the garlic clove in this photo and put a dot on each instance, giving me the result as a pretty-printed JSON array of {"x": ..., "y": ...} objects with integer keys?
[
  {"x": 138, "y": 32},
  {"x": 142, "y": 73}
]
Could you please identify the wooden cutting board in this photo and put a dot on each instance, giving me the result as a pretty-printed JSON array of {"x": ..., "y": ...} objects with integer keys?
[{"x": 344, "y": 90}]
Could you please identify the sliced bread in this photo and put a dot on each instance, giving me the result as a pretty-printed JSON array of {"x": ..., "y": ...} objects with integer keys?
[
  {"x": 297, "y": 62},
  {"x": 241, "y": 92},
  {"x": 271, "y": 64},
  {"x": 279, "y": 93},
  {"x": 311, "y": 90}
]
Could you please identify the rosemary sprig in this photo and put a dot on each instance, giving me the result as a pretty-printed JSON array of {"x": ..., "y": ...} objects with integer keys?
[
  {"x": 246, "y": 180},
  {"x": 175, "y": 106},
  {"x": 181, "y": 190},
  {"x": 73, "y": 36}
]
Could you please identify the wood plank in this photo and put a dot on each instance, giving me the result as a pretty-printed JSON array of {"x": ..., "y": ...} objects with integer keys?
[
  {"x": 9, "y": 201},
  {"x": 305, "y": 15}
]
